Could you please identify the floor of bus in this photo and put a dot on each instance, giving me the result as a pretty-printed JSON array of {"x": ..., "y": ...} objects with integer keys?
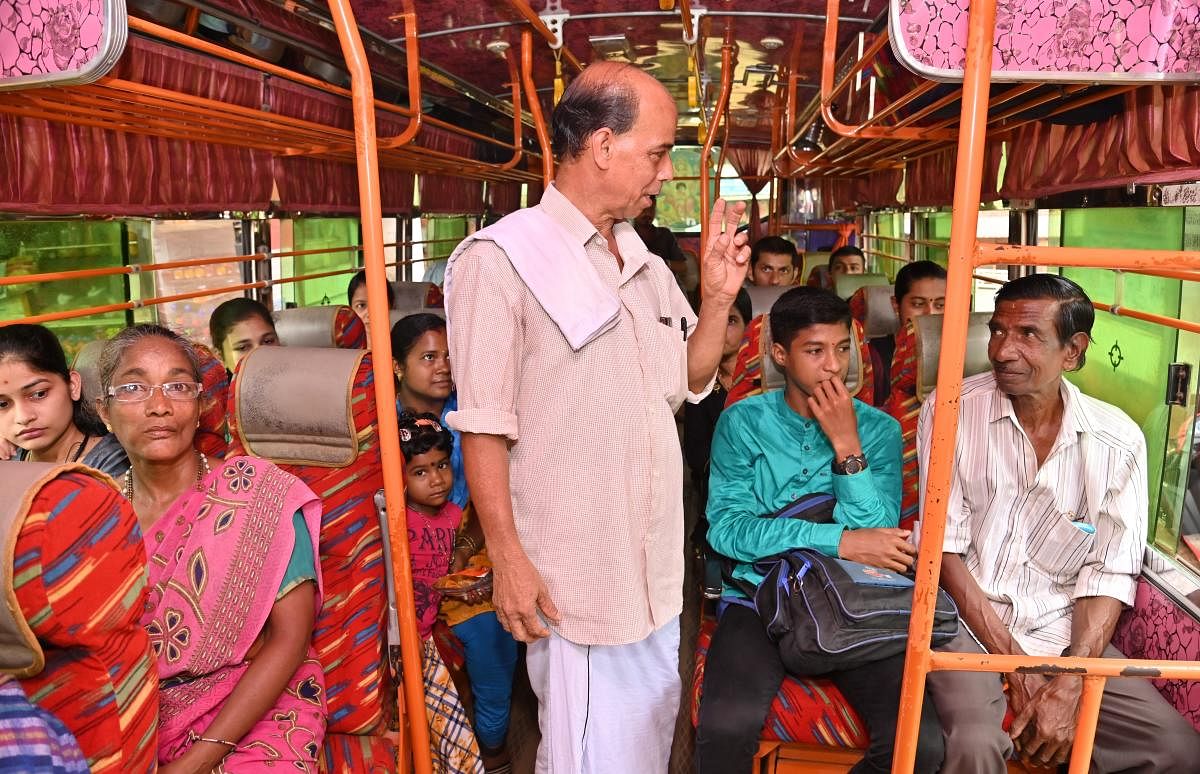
[{"x": 523, "y": 733}]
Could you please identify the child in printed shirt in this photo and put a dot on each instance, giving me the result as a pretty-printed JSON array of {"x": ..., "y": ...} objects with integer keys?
[{"x": 432, "y": 523}]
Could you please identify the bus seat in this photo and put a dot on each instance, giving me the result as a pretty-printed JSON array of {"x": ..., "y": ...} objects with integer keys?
[
  {"x": 75, "y": 583},
  {"x": 751, "y": 377},
  {"x": 812, "y": 260},
  {"x": 312, "y": 412},
  {"x": 761, "y": 299},
  {"x": 903, "y": 406},
  {"x": 928, "y": 343},
  {"x": 879, "y": 316},
  {"x": 321, "y": 326},
  {"x": 847, "y": 284},
  {"x": 396, "y": 315},
  {"x": 414, "y": 297},
  {"x": 210, "y": 436}
]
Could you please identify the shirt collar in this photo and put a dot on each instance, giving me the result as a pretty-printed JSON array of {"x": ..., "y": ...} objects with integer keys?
[
  {"x": 563, "y": 212},
  {"x": 1075, "y": 418}
]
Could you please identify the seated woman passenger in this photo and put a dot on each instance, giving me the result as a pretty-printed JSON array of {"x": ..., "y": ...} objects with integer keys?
[
  {"x": 42, "y": 412},
  {"x": 356, "y": 296},
  {"x": 768, "y": 451},
  {"x": 433, "y": 519},
  {"x": 234, "y": 583},
  {"x": 238, "y": 327},
  {"x": 426, "y": 385}
]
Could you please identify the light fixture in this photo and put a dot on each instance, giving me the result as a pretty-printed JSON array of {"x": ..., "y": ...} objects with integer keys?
[
  {"x": 771, "y": 43},
  {"x": 497, "y": 47}
]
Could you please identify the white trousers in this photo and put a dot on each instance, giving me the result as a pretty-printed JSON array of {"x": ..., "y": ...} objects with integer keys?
[{"x": 606, "y": 709}]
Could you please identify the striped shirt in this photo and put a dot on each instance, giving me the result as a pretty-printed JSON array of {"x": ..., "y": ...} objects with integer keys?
[
  {"x": 1023, "y": 530},
  {"x": 595, "y": 466}
]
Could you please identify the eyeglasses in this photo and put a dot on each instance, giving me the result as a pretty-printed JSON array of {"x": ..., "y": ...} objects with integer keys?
[{"x": 136, "y": 392}]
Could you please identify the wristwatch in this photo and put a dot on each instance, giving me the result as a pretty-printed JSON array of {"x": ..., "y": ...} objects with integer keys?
[{"x": 853, "y": 463}]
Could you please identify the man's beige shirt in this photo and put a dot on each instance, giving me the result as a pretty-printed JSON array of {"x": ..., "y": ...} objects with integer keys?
[{"x": 596, "y": 468}]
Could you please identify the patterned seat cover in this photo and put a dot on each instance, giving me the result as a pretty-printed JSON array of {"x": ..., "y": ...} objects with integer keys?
[
  {"x": 349, "y": 633},
  {"x": 807, "y": 710},
  {"x": 79, "y": 575}
]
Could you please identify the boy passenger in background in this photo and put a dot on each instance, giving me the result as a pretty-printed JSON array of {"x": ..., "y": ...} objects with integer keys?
[{"x": 770, "y": 450}]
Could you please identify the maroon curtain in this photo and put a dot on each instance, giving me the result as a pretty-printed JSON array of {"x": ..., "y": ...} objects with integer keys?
[
  {"x": 929, "y": 180},
  {"x": 445, "y": 194},
  {"x": 753, "y": 165},
  {"x": 504, "y": 198},
  {"x": 846, "y": 194},
  {"x": 58, "y": 169},
  {"x": 1156, "y": 139},
  {"x": 328, "y": 186}
]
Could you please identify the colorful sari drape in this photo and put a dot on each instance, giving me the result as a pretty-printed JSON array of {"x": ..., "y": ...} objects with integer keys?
[{"x": 217, "y": 559}]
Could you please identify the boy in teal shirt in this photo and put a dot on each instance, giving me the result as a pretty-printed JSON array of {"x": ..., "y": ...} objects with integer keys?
[{"x": 769, "y": 450}]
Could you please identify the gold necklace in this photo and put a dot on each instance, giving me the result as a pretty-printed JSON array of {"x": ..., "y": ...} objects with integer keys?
[{"x": 202, "y": 470}]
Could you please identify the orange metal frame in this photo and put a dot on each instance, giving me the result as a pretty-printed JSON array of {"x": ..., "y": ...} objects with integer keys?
[
  {"x": 965, "y": 254},
  {"x": 412, "y": 698},
  {"x": 727, "y": 65}
]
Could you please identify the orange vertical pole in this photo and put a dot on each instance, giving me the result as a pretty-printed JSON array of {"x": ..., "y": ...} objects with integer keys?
[
  {"x": 1085, "y": 724},
  {"x": 706, "y": 154},
  {"x": 535, "y": 107},
  {"x": 367, "y": 153},
  {"x": 965, "y": 221}
]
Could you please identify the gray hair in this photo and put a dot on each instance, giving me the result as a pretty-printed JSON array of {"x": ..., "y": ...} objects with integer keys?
[
  {"x": 590, "y": 104},
  {"x": 115, "y": 349}
]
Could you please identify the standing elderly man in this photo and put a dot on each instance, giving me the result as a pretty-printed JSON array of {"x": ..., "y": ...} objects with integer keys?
[
  {"x": 1045, "y": 530},
  {"x": 573, "y": 348}
]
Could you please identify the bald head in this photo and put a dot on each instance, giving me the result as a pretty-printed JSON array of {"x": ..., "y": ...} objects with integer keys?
[{"x": 606, "y": 94}]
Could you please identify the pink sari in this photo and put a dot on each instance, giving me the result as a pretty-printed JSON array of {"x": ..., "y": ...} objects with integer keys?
[{"x": 217, "y": 559}]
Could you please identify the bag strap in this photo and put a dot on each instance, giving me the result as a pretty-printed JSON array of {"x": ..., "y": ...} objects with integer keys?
[{"x": 816, "y": 507}]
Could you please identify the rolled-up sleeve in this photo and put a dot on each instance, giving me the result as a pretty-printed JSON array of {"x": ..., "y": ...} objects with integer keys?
[
  {"x": 1112, "y": 566},
  {"x": 483, "y": 311}
]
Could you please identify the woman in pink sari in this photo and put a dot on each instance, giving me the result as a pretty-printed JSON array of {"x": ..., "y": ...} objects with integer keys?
[{"x": 234, "y": 584}]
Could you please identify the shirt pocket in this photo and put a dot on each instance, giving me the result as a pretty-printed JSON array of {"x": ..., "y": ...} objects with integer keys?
[
  {"x": 667, "y": 362},
  {"x": 1058, "y": 547}
]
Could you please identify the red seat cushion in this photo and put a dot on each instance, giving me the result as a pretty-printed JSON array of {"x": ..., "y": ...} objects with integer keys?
[
  {"x": 348, "y": 329},
  {"x": 349, "y": 632},
  {"x": 808, "y": 710},
  {"x": 79, "y": 574},
  {"x": 904, "y": 407},
  {"x": 210, "y": 435}
]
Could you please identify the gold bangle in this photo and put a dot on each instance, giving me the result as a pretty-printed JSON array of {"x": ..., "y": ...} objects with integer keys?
[
  {"x": 467, "y": 542},
  {"x": 211, "y": 740}
]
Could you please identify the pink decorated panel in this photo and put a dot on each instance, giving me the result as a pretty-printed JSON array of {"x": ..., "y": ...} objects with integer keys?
[
  {"x": 1158, "y": 629},
  {"x": 1055, "y": 40},
  {"x": 59, "y": 42}
]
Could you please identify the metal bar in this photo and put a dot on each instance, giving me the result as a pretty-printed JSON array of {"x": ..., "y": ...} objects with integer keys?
[
  {"x": 685, "y": 15},
  {"x": 1085, "y": 257},
  {"x": 711, "y": 136},
  {"x": 624, "y": 14},
  {"x": 1088, "y": 715},
  {"x": 1052, "y": 665},
  {"x": 535, "y": 107},
  {"x": 413, "y": 70},
  {"x": 539, "y": 26},
  {"x": 412, "y": 700},
  {"x": 968, "y": 182}
]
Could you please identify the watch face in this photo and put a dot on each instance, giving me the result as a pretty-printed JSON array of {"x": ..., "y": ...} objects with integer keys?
[{"x": 853, "y": 465}]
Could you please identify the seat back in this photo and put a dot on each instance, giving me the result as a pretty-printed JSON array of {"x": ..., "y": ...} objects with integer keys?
[
  {"x": 87, "y": 363},
  {"x": 75, "y": 590},
  {"x": 417, "y": 297},
  {"x": 321, "y": 326},
  {"x": 762, "y": 299},
  {"x": 845, "y": 285},
  {"x": 928, "y": 342},
  {"x": 755, "y": 371},
  {"x": 879, "y": 316},
  {"x": 812, "y": 260},
  {"x": 311, "y": 411}
]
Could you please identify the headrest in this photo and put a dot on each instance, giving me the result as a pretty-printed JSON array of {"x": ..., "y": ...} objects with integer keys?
[
  {"x": 417, "y": 295},
  {"x": 293, "y": 405},
  {"x": 812, "y": 260},
  {"x": 20, "y": 652},
  {"x": 87, "y": 363},
  {"x": 396, "y": 315},
  {"x": 772, "y": 374},
  {"x": 928, "y": 340},
  {"x": 880, "y": 318},
  {"x": 762, "y": 299},
  {"x": 846, "y": 284},
  {"x": 320, "y": 326}
]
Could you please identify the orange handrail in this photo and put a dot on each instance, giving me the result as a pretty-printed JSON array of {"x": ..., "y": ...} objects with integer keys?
[
  {"x": 711, "y": 136},
  {"x": 411, "y": 700},
  {"x": 412, "y": 67},
  {"x": 535, "y": 107},
  {"x": 965, "y": 253}
]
